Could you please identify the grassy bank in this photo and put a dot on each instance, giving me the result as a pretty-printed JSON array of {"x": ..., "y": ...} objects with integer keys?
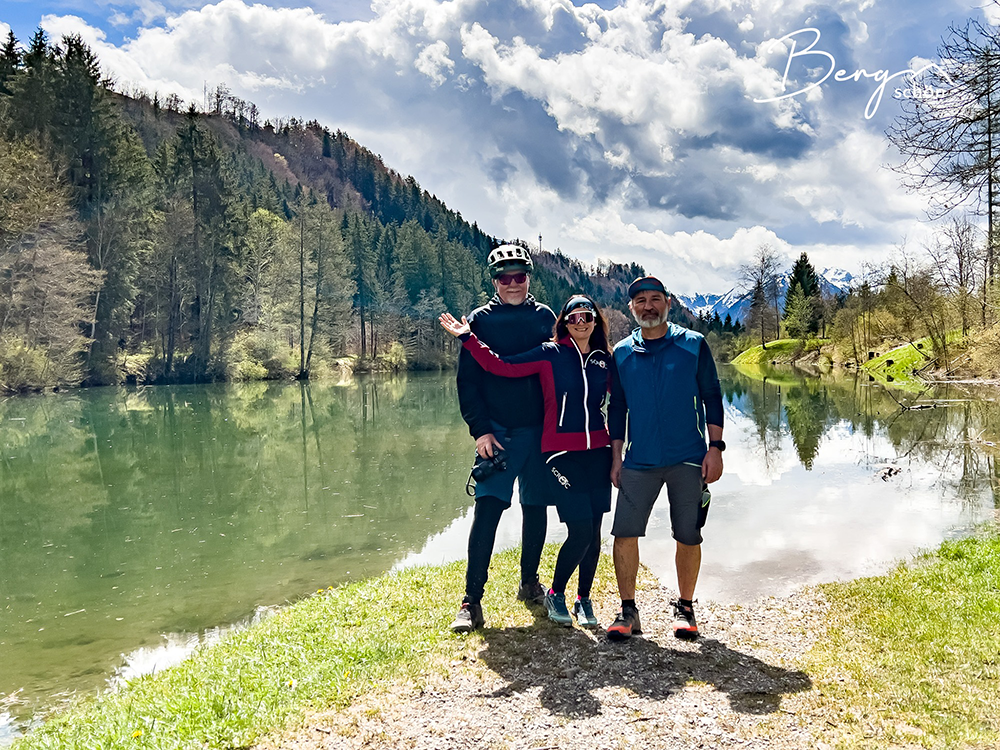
[
  {"x": 909, "y": 659},
  {"x": 322, "y": 651},
  {"x": 912, "y": 658},
  {"x": 779, "y": 351},
  {"x": 897, "y": 366}
]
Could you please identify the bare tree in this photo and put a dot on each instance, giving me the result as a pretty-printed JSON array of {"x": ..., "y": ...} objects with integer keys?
[
  {"x": 760, "y": 278},
  {"x": 951, "y": 141},
  {"x": 46, "y": 284},
  {"x": 917, "y": 285},
  {"x": 955, "y": 253}
]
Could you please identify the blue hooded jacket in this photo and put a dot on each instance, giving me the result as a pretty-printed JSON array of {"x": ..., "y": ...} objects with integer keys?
[{"x": 670, "y": 389}]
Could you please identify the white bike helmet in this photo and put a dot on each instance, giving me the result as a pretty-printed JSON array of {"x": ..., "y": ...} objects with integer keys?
[{"x": 508, "y": 259}]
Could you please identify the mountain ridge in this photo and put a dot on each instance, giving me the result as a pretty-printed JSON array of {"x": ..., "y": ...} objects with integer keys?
[{"x": 736, "y": 302}]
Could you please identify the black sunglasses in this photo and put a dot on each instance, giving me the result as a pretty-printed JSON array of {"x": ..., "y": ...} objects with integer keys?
[{"x": 516, "y": 278}]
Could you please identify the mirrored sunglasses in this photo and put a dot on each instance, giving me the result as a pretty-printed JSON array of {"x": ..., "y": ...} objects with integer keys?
[
  {"x": 516, "y": 278},
  {"x": 580, "y": 317}
]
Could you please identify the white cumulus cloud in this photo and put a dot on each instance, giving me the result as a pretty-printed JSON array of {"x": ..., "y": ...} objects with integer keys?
[{"x": 628, "y": 132}]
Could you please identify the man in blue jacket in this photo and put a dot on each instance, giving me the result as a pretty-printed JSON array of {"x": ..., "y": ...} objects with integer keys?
[
  {"x": 665, "y": 378},
  {"x": 505, "y": 414}
]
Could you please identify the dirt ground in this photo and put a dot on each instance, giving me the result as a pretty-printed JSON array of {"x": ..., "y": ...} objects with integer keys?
[{"x": 544, "y": 687}]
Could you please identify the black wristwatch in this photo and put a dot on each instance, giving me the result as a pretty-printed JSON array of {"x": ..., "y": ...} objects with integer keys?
[{"x": 720, "y": 444}]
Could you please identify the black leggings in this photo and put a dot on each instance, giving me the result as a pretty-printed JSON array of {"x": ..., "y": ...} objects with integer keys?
[
  {"x": 484, "y": 534},
  {"x": 582, "y": 547}
]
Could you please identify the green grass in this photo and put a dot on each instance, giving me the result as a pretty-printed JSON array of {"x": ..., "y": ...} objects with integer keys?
[
  {"x": 905, "y": 359},
  {"x": 321, "y": 652},
  {"x": 779, "y": 350},
  {"x": 912, "y": 659}
]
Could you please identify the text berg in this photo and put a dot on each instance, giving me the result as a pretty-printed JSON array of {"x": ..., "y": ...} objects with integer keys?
[{"x": 881, "y": 77}]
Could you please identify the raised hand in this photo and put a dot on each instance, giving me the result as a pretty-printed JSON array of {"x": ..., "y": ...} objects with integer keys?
[{"x": 452, "y": 326}]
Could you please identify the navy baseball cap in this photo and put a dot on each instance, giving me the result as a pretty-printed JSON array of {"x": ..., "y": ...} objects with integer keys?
[{"x": 646, "y": 284}]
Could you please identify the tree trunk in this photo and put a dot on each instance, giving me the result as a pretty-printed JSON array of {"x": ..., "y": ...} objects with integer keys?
[
  {"x": 364, "y": 340},
  {"x": 172, "y": 317},
  {"x": 302, "y": 296}
]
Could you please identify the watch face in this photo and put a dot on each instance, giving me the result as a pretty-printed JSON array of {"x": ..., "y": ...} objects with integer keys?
[{"x": 720, "y": 444}]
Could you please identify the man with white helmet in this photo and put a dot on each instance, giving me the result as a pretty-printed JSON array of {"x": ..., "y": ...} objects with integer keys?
[{"x": 505, "y": 414}]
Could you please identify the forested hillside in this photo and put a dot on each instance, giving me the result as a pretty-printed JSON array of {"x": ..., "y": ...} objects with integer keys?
[{"x": 146, "y": 240}]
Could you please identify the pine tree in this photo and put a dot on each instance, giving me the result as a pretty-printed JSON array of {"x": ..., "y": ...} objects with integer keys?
[
  {"x": 760, "y": 317},
  {"x": 799, "y": 313},
  {"x": 200, "y": 163},
  {"x": 10, "y": 62},
  {"x": 804, "y": 285},
  {"x": 32, "y": 88},
  {"x": 358, "y": 240}
]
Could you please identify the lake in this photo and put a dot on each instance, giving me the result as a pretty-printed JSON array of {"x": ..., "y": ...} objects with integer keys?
[{"x": 137, "y": 523}]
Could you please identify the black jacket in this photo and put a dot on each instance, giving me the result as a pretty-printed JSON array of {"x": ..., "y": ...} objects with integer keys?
[{"x": 507, "y": 330}]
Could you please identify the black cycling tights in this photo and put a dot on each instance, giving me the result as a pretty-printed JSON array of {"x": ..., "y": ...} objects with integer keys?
[
  {"x": 484, "y": 533},
  {"x": 582, "y": 547}
]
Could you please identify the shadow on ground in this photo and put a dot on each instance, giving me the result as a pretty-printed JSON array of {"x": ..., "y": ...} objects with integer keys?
[{"x": 570, "y": 665}]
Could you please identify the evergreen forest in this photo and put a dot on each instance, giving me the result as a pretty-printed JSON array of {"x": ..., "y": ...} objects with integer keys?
[{"x": 145, "y": 241}]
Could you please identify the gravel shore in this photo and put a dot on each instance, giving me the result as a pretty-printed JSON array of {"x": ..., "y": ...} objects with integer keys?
[{"x": 543, "y": 687}]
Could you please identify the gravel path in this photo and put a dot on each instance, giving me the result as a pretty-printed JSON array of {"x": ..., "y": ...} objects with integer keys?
[{"x": 544, "y": 687}]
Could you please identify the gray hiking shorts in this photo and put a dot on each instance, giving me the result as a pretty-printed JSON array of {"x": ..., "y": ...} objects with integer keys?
[{"x": 686, "y": 493}]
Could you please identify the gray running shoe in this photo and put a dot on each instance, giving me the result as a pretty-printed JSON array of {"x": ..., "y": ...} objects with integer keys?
[
  {"x": 556, "y": 605},
  {"x": 469, "y": 618},
  {"x": 583, "y": 610},
  {"x": 532, "y": 592},
  {"x": 626, "y": 625}
]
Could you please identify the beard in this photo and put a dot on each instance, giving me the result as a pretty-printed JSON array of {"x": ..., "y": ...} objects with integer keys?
[{"x": 659, "y": 320}]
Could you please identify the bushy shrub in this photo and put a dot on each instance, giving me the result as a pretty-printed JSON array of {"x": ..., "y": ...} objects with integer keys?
[
  {"x": 241, "y": 360},
  {"x": 135, "y": 368},
  {"x": 394, "y": 359},
  {"x": 247, "y": 369},
  {"x": 23, "y": 367}
]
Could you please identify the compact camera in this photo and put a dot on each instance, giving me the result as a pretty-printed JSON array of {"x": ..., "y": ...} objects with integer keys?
[{"x": 484, "y": 468}]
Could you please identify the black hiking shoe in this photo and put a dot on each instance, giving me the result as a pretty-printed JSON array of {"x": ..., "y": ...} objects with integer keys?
[
  {"x": 556, "y": 606},
  {"x": 685, "y": 626},
  {"x": 626, "y": 625},
  {"x": 469, "y": 618},
  {"x": 532, "y": 592}
]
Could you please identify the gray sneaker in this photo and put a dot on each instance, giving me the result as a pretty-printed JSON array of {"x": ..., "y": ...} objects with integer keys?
[
  {"x": 532, "y": 592},
  {"x": 556, "y": 605},
  {"x": 626, "y": 625},
  {"x": 583, "y": 610},
  {"x": 469, "y": 618}
]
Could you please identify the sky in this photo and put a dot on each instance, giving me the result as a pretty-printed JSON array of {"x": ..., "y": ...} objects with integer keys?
[{"x": 629, "y": 130}]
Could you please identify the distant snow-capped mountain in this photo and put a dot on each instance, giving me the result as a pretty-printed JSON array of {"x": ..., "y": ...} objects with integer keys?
[{"x": 736, "y": 302}]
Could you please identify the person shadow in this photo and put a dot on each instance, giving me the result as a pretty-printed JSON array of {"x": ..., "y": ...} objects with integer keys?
[{"x": 570, "y": 665}]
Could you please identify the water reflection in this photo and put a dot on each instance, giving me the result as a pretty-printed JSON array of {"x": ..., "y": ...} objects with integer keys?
[
  {"x": 126, "y": 514},
  {"x": 129, "y": 514},
  {"x": 830, "y": 479}
]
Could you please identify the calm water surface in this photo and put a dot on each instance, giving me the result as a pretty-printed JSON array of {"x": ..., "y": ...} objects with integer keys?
[{"x": 136, "y": 523}]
